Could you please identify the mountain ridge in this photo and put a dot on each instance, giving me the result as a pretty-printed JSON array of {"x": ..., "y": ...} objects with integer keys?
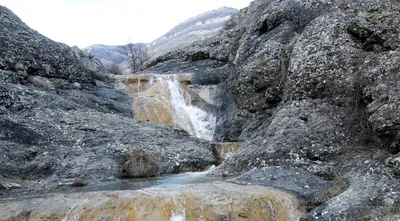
[{"x": 193, "y": 29}]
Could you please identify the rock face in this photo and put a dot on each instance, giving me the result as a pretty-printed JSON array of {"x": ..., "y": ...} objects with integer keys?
[
  {"x": 217, "y": 201},
  {"x": 39, "y": 56},
  {"x": 312, "y": 85},
  {"x": 61, "y": 122}
]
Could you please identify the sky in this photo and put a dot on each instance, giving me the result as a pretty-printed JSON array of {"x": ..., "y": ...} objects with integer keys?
[{"x": 111, "y": 22}]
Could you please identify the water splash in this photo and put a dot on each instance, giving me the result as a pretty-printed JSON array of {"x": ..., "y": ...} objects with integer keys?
[
  {"x": 178, "y": 217},
  {"x": 167, "y": 99},
  {"x": 179, "y": 212},
  {"x": 69, "y": 212},
  {"x": 194, "y": 120},
  {"x": 139, "y": 85},
  {"x": 152, "y": 80}
]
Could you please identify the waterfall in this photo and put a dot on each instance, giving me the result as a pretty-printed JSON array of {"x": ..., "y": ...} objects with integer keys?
[
  {"x": 192, "y": 119},
  {"x": 166, "y": 99}
]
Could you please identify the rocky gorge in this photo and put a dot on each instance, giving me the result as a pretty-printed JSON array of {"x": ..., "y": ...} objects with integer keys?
[
  {"x": 306, "y": 93},
  {"x": 61, "y": 122}
]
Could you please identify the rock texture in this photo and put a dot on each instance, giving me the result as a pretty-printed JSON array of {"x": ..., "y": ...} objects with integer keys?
[
  {"x": 309, "y": 85},
  {"x": 217, "y": 201},
  {"x": 309, "y": 88},
  {"x": 39, "y": 56},
  {"x": 61, "y": 122}
]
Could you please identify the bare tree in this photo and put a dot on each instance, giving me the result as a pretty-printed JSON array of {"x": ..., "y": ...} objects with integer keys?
[
  {"x": 115, "y": 69},
  {"x": 137, "y": 56}
]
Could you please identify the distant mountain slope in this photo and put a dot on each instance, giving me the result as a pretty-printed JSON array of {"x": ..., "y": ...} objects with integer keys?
[
  {"x": 194, "y": 29},
  {"x": 107, "y": 54},
  {"x": 199, "y": 27}
]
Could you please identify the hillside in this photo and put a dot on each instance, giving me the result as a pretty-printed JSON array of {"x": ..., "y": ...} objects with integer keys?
[
  {"x": 108, "y": 55},
  {"x": 199, "y": 27}
]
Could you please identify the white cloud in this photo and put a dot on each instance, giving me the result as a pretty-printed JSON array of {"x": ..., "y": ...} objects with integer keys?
[{"x": 86, "y": 22}]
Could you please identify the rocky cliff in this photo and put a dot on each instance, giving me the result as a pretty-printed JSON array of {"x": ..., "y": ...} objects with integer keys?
[
  {"x": 61, "y": 122},
  {"x": 311, "y": 88}
]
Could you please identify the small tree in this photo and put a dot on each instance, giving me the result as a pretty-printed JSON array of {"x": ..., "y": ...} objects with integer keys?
[
  {"x": 139, "y": 163},
  {"x": 115, "y": 69},
  {"x": 137, "y": 56}
]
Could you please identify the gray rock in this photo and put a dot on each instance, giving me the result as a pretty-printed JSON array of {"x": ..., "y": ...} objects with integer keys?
[
  {"x": 309, "y": 87},
  {"x": 41, "y": 82},
  {"x": 61, "y": 121},
  {"x": 312, "y": 86},
  {"x": 371, "y": 186},
  {"x": 382, "y": 93},
  {"x": 37, "y": 55},
  {"x": 306, "y": 134},
  {"x": 300, "y": 182},
  {"x": 76, "y": 85}
]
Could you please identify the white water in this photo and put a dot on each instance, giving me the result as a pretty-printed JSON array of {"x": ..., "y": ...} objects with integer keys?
[
  {"x": 174, "y": 103},
  {"x": 175, "y": 217},
  {"x": 179, "y": 212},
  {"x": 194, "y": 120}
]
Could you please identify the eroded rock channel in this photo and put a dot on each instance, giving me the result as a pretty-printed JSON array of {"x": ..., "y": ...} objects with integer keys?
[{"x": 305, "y": 94}]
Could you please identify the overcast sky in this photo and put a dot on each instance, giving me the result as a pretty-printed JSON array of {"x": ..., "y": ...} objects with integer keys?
[{"x": 112, "y": 22}]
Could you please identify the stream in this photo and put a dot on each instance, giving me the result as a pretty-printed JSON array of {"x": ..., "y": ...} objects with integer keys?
[{"x": 166, "y": 180}]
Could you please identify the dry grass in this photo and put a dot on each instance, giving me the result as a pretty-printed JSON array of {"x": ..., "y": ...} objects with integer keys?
[
  {"x": 139, "y": 163},
  {"x": 78, "y": 183}
]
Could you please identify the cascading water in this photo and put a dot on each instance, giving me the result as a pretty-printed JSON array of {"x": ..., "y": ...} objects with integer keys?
[
  {"x": 192, "y": 119},
  {"x": 165, "y": 99}
]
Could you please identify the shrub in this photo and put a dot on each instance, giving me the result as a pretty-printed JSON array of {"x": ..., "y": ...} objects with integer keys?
[
  {"x": 78, "y": 183},
  {"x": 114, "y": 69},
  {"x": 139, "y": 163}
]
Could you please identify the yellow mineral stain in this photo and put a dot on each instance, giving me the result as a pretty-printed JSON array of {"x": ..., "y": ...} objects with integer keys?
[
  {"x": 214, "y": 201},
  {"x": 225, "y": 149}
]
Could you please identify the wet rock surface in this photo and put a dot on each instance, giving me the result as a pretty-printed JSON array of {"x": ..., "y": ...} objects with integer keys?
[
  {"x": 171, "y": 99},
  {"x": 292, "y": 179},
  {"x": 217, "y": 201}
]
